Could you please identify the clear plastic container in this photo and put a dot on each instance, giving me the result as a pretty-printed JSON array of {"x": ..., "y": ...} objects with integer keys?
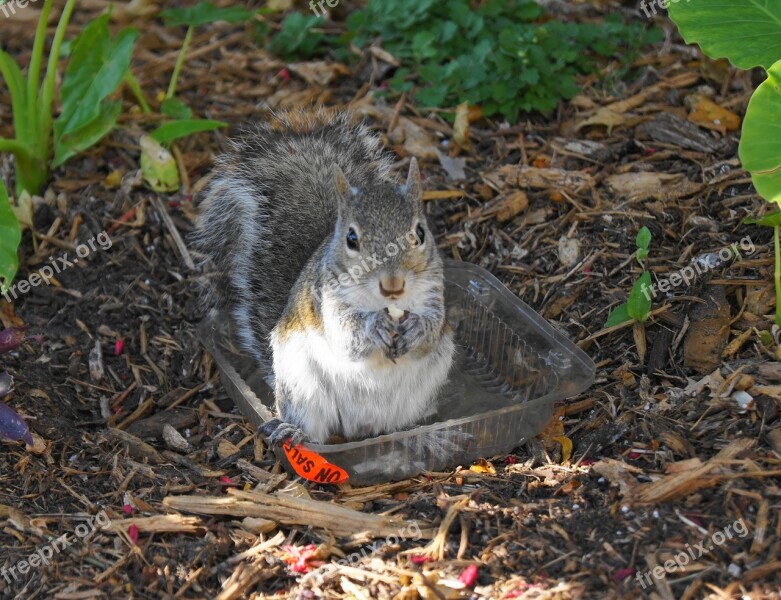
[{"x": 510, "y": 368}]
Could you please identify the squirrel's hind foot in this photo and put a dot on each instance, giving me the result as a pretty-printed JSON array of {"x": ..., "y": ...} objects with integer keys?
[{"x": 277, "y": 432}]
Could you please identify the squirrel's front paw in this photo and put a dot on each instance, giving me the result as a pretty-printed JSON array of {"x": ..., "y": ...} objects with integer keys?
[
  {"x": 382, "y": 331},
  {"x": 277, "y": 432},
  {"x": 412, "y": 330}
]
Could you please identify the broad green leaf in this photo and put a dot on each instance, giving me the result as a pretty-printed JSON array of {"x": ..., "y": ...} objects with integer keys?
[
  {"x": 169, "y": 132},
  {"x": 769, "y": 220},
  {"x": 176, "y": 109},
  {"x": 205, "y": 12},
  {"x": 96, "y": 68},
  {"x": 760, "y": 143},
  {"x": 747, "y": 32},
  {"x": 618, "y": 315},
  {"x": 639, "y": 303},
  {"x": 10, "y": 236},
  {"x": 90, "y": 134}
]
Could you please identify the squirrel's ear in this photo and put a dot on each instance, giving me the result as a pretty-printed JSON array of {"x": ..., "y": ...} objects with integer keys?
[
  {"x": 342, "y": 185},
  {"x": 412, "y": 188}
]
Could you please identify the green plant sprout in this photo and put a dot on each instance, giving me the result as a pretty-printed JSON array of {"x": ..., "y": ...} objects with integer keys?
[
  {"x": 638, "y": 305},
  {"x": 98, "y": 64},
  {"x": 10, "y": 236},
  {"x": 200, "y": 14},
  {"x": 748, "y": 34}
]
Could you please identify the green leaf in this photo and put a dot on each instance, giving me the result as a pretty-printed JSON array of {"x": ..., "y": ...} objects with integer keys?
[
  {"x": 23, "y": 112},
  {"x": 96, "y": 68},
  {"x": 176, "y": 109},
  {"x": 169, "y": 132},
  {"x": 10, "y": 236},
  {"x": 760, "y": 143},
  {"x": 769, "y": 220},
  {"x": 205, "y": 12},
  {"x": 296, "y": 37},
  {"x": 618, "y": 315},
  {"x": 643, "y": 240},
  {"x": 639, "y": 304},
  {"x": 747, "y": 32},
  {"x": 73, "y": 142}
]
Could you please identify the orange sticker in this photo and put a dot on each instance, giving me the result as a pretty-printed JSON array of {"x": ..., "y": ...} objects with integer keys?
[{"x": 313, "y": 467}]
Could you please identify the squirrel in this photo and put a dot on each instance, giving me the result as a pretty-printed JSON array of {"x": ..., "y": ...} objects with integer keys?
[{"x": 326, "y": 262}]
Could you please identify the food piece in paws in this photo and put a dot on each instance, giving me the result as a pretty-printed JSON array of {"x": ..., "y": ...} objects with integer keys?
[{"x": 395, "y": 312}]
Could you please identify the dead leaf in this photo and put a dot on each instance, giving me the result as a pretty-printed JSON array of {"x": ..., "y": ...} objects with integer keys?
[
  {"x": 618, "y": 473},
  {"x": 23, "y": 210},
  {"x": 566, "y": 447},
  {"x": 415, "y": 140},
  {"x": 555, "y": 427},
  {"x": 461, "y": 126},
  {"x": 319, "y": 72},
  {"x": 483, "y": 466},
  {"x": 454, "y": 167},
  {"x": 659, "y": 186},
  {"x": 708, "y": 333},
  {"x": 569, "y": 251},
  {"x": 514, "y": 176},
  {"x": 606, "y": 117},
  {"x": 707, "y": 113},
  {"x": 511, "y": 205},
  {"x": 383, "y": 55}
]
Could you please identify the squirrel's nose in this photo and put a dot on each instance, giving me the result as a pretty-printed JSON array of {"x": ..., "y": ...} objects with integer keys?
[{"x": 392, "y": 287}]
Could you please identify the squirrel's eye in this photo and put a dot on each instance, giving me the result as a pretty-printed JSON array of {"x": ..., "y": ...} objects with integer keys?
[
  {"x": 420, "y": 232},
  {"x": 352, "y": 239}
]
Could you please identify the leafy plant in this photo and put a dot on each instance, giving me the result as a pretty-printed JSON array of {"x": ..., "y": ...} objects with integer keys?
[
  {"x": 10, "y": 236},
  {"x": 638, "y": 305},
  {"x": 748, "y": 34},
  {"x": 501, "y": 55},
  {"x": 97, "y": 66},
  {"x": 298, "y": 36}
]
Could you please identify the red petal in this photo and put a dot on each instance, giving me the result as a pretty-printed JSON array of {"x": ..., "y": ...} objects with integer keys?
[
  {"x": 622, "y": 574},
  {"x": 469, "y": 576},
  {"x": 119, "y": 346},
  {"x": 132, "y": 533}
]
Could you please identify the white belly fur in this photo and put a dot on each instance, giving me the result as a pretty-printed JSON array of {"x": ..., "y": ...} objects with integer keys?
[{"x": 331, "y": 393}]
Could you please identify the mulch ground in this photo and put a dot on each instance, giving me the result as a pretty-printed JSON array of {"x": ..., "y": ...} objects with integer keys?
[{"x": 675, "y": 451}]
